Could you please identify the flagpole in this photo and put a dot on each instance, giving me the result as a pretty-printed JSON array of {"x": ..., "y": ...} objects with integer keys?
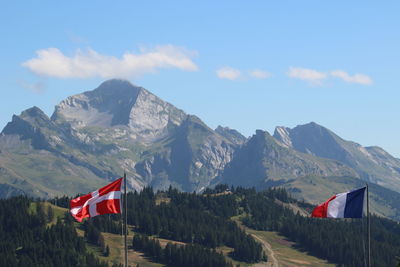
[
  {"x": 126, "y": 221},
  {"x": 369, "y": 229}
]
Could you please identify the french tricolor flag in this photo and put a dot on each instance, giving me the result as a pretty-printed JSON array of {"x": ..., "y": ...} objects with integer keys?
[{"x": 344, "y": 205}]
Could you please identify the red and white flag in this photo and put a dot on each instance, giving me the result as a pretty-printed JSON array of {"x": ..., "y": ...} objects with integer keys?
[{"x": 102, "y": 201}]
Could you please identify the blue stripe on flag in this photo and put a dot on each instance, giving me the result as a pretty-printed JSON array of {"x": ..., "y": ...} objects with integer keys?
[{"x": 354, "y": 204}]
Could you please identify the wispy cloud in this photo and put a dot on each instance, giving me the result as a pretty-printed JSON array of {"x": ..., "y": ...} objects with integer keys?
[
  {"x": 356, "y": 78},
  {"x": 317, "y": 77},
  {"x": 260, "y": 74},
  {"x": 36, "y": 87},
  {"x": 229, "y": 73},
  {"x": 85, "y": 64},
  {"x": 235, "y": 74},
  {"x": 310, "y": 75}
]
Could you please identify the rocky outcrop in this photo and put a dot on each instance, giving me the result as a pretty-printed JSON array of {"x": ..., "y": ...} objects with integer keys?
[
  {"x": 191, "y": 160},
  {"x": 372, "y": 164},
  {"x": 231, "y": 134},
  {"x": 117, "y": 103},
  {"x": 263, "y": 161}
]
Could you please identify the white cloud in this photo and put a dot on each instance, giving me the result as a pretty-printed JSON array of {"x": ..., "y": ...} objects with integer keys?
[
  {"x": 85, "y": 64},
  {"x": 317, "y": 77},
  {"x": 356, "y": 78},
  {"x": 259, "y": 74},
  {"x": 229, "y": 73},
  {"x": 312, "y": 76},
  {"x": 235, "y": 74}
]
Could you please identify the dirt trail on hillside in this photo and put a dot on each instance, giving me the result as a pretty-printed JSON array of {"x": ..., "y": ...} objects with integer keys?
[{"x": 272, "y": 261}]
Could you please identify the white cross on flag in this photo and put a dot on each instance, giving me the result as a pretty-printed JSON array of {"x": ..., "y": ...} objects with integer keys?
[{"x": 102, "y": 201}]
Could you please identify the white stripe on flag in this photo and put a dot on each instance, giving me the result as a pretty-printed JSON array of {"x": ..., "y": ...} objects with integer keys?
[
  {"x": 96, "y": 199},
  {"x": 336, "y": 206},
  {"x": 93, "y": 201}
]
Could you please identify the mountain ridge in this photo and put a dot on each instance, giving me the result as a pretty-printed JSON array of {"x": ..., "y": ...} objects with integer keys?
[
  {"x": 96, "y": 136},
  {"x": 373, "y": 164}
]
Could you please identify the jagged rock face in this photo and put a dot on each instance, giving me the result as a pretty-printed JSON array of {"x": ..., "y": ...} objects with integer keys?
[
  {"x": 383, "y": 158},
  {"x": 372, "y": 163},
  {"x": 263, "y": 161},
  {"x": 34, "y": 125},
  {"x": 190, "y": 161},
  {"x": 108, "y": 105},
  {"x": 232, "y": 135},
  {"x": 310, "y": 138},
  {"x": 118, "y": 103},
  {"x": 151, "y": 117},
  {"x": 113, "y": 129},
  {"x": 282, "y": 134}
]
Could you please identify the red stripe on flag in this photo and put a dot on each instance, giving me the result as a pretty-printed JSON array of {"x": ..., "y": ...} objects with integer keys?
[
  {"x": 109, "y": 206},
  {"x": 79, "y": 201},
  {"x": 321, "y": 210},
  {"x": 114, "y": 186}
]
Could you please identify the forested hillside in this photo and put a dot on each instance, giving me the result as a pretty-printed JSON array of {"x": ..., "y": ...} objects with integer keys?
[
  {"x": 196, "y": 225},
  {"x": 342, "y": 241},
  {"x": 26, "y": 240}
]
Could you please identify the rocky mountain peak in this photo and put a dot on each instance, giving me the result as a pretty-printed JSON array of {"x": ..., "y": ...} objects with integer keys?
[
  {"x": 28, "y": 119},
  {"x": 263, "y": 161},
  {"x": 231, "y": 134},
  {"x": 310, "y": 138},
  {"x": 29, "y": 125},
  {"x": 33, "y": 112},
  {"x": 109, "y": 104},
  {"x": 119, "y": 103},
  {"x": 371, "y": 163},
  {"x": 116, "y": 87}
]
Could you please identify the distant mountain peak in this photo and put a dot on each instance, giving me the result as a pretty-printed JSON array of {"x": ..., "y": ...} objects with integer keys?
[
  {"x": 116, "y": 87},
  {"x": 231, "y": 134},
  {"x": 263, "y": 161},
  {"x": 33, "y": 112},
  {"x": 372, "y": 163},
  {"x": 119, "y": 103},
  {"x": 107, "y": 105}
]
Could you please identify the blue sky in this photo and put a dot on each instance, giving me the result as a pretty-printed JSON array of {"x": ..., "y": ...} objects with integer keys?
[{"x": 247, "y": 65}]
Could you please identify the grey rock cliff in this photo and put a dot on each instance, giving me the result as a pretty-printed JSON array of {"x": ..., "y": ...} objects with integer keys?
[
  {"x": 231, "y": 134},
  {"x": 372, "y": 164},
  {"x": 119, "y": 103},
  {"x": 263, "y": 161}
]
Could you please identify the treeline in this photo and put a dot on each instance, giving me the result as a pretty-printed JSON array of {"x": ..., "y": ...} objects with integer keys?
[
  {"x": 94, "y": 236},
  {"x": 205, "y": 219},
  {"x": 179, "y": 255},
  {"x": 342, "y": 241},
  {"x": 193, "y": 219},
  {"x": 109, "y": 223},
  {"x": 93, "y": 228},
  {"x": 26, "y": 240}
]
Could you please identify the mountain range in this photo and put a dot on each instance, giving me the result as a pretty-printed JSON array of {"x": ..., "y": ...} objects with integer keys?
[{"x": 98, "y": 135}]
